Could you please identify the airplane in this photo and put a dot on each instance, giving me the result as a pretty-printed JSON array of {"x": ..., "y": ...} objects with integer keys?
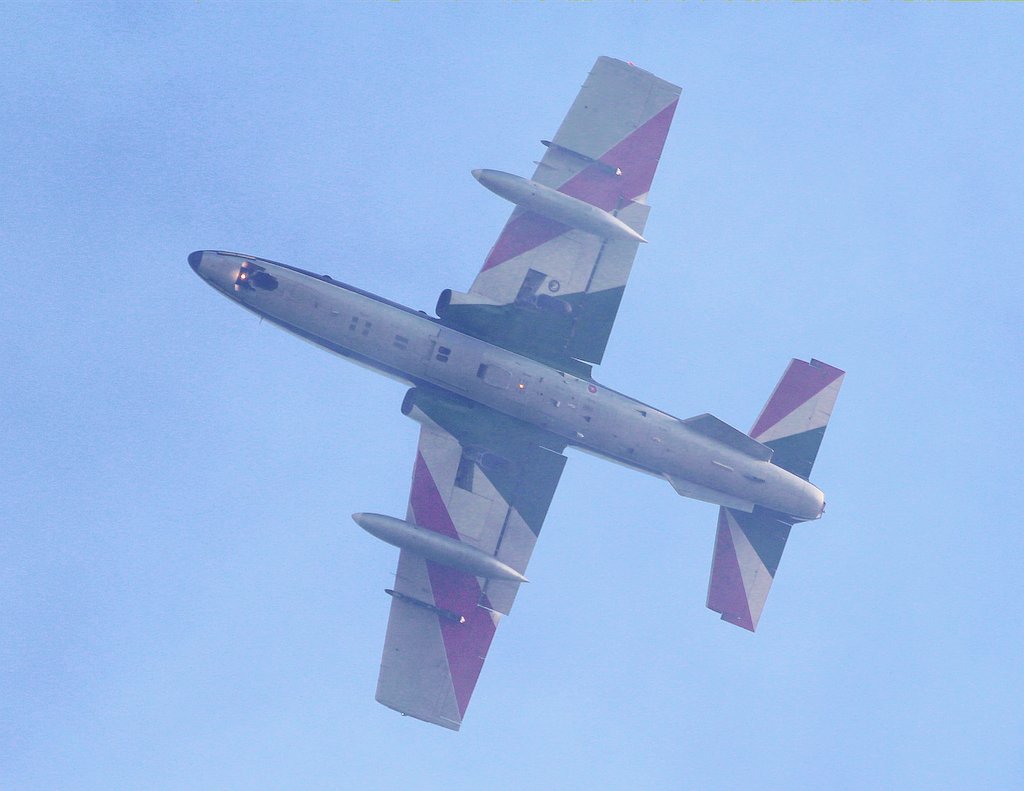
[{"x": 501, "y": 385}]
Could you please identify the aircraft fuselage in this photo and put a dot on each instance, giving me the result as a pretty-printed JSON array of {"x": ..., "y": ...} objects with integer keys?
[{"x": 419, "y": 350}]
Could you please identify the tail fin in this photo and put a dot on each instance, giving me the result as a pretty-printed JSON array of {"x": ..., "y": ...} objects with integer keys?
[
  {"x": 748, "y": 546},
  {"x": 793, "y": 421}
]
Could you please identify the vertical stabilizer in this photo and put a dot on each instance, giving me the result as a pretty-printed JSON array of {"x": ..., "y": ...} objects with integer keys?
[{"x": 793, "y": 421}]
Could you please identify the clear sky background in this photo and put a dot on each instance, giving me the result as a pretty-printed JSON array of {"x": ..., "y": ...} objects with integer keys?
[{"x": 184, "y": 600}]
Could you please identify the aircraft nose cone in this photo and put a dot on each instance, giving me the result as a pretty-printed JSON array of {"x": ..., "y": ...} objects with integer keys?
[{"x": 221, "y": 270}]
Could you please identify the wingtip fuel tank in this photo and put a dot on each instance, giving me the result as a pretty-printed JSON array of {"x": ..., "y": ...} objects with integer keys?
[
  {"x": 434, "y": 546},
  {"x": 556, "y": 205}
]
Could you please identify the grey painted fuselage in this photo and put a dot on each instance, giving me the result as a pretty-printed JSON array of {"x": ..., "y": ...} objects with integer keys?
[{"x": 410, "y": 346}]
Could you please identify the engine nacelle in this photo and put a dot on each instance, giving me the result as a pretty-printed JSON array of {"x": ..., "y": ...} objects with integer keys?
[{"x": 449, "y": 299}]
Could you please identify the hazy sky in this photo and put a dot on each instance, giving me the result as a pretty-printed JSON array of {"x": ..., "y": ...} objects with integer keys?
[{"x": 184, "y": 600}]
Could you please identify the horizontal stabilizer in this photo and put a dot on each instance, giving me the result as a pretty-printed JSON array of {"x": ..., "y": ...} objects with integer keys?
[
  {"x": 793, "y": 421},
  {"x": 748, "y": 548},
  {"x": 719, "y": 430}
]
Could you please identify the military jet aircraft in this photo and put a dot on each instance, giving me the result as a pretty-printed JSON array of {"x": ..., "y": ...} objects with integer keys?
[{"x": 500, "y": 383}]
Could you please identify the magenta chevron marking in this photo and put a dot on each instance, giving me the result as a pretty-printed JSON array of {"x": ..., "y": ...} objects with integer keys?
[
  {"x": 523, "y": 232},
  {"x": 427, "y": 503},
  {"x": 801, "y": 382},
  {"x": 465, "y": 644},
  {"x": 726, "y": 592},
  {"x": 636, "y": 156}
]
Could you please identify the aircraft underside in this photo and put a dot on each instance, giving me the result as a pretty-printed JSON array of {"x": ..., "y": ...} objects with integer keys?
[{"x": 500, "y": 385}]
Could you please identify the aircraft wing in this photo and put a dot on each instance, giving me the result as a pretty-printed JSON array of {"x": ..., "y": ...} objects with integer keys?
[
  {"x": 485, "y": 479},
  {"x": 550, "y": 291}
]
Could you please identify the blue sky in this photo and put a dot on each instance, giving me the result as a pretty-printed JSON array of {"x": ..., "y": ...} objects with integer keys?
[{"x": 184, "y": 600}]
